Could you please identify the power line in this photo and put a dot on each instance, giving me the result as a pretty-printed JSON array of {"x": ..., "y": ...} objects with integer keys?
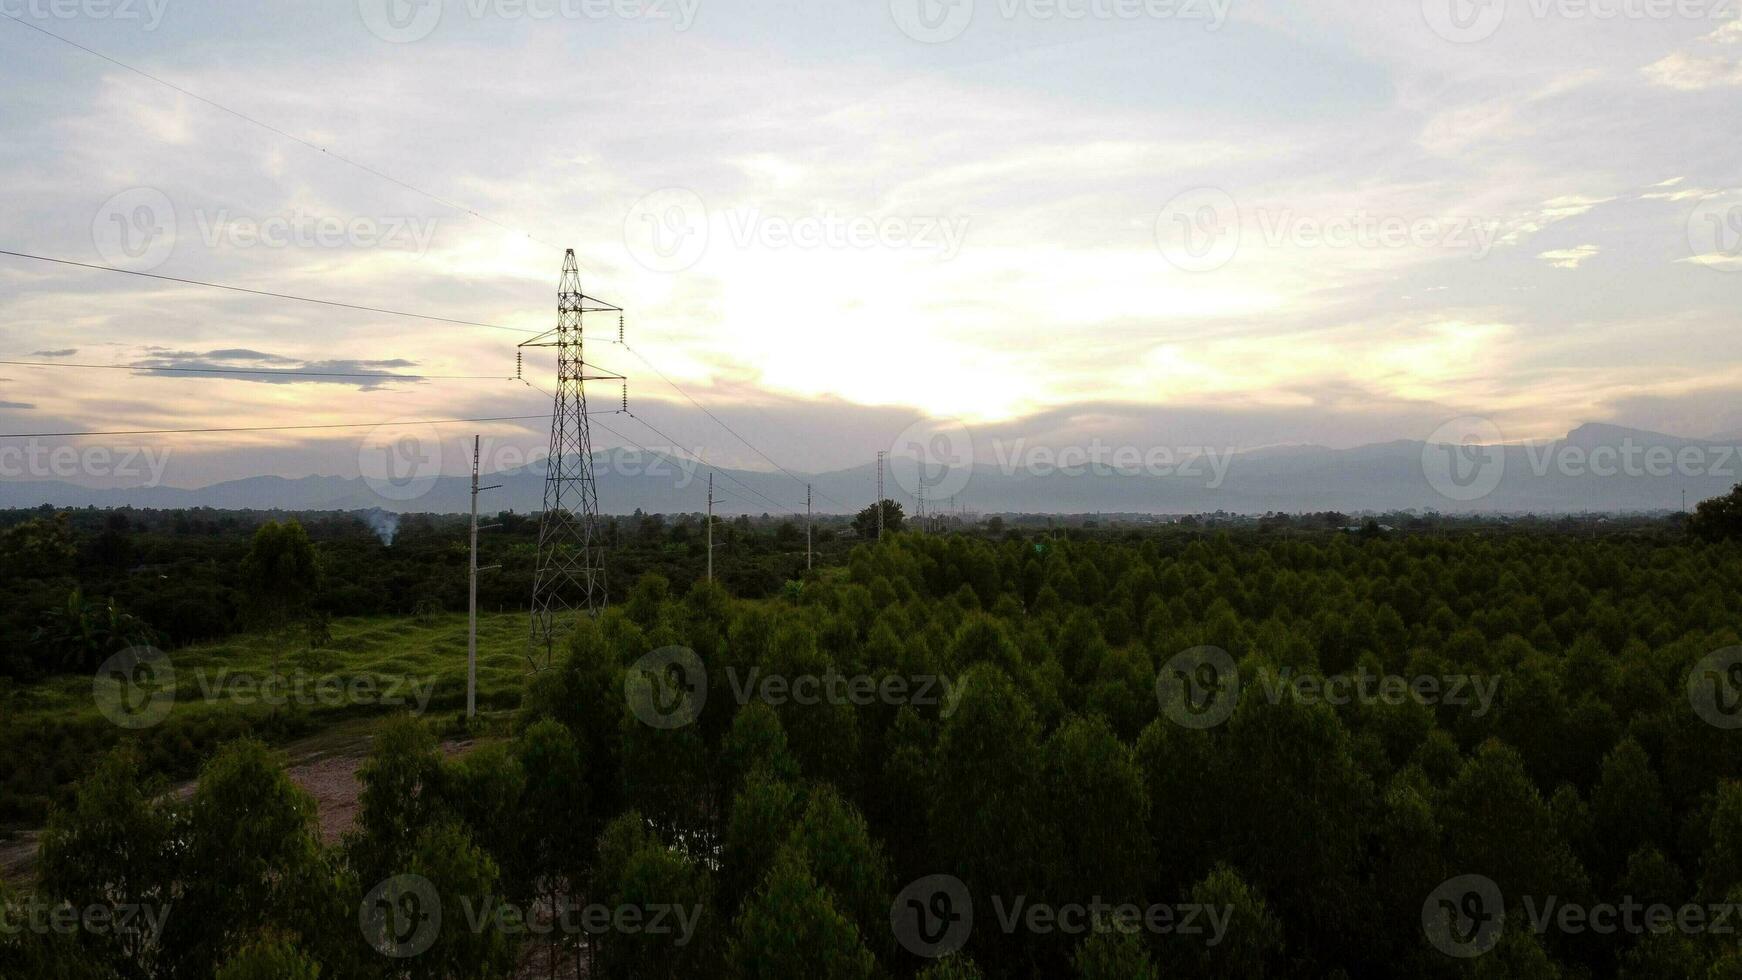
[
  {"x": 262, "y": 292},
  {"x": 673, "y": 443},
  {"x": 725, "y": 473},
  {"x": 275, "y": 130},
  {"x": 723, "y": 425},
  {"x": 265, "y": 428},
  {"x": 275, "y": 372}
]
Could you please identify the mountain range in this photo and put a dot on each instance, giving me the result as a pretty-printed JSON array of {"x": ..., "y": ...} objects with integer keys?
[{"x": 1594, "y": 468}]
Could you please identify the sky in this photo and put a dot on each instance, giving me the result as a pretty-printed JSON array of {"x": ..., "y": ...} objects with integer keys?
[{"x": 1151, "y": 222}]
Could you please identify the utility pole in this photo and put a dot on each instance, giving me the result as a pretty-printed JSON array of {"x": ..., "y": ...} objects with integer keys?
[
  {"x": 880, "y": 495},
  {"x": 710, "y": 527},
  {"x": 807, "y": 527},
  {"x": 472, "y": 630}
]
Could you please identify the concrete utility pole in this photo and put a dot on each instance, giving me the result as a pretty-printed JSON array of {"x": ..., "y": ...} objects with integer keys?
[
  {"x": 880, "y": 495},
  {"x": 472, "y": 631},
  {"x": 710, "y": 527},
  {"x": 807, "y": 527}
]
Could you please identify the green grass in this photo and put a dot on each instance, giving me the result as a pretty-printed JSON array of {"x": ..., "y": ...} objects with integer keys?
[{"x": 372, "y": 668}]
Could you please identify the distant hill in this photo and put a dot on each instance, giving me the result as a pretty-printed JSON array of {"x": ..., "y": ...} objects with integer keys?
[{"x": 1595, "y": 467}]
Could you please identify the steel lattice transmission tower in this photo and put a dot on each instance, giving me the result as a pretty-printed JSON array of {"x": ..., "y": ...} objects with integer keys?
[{"x": 570, "y": 576}]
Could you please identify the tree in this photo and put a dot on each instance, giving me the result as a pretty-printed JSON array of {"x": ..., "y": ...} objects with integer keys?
[
  {"x": 274, "y": 958},
  {"x": 280, "y": 576},
  {"x": 1111, "y": 954},
  {"x": 404, "y": 794},
  {"x": 114, "y": 815},
  {"x": 843, "y": 857},
  {"x": 792, "y": 928},
  {"x": 1718, "y": 519},
  {"x": 865, "y": 522},
  {"x": 79, "y": 634},
  {"x": 637, "y": 870},
  {"x": 253, "y": 862},
  {"x": 1098, "y": 811}
]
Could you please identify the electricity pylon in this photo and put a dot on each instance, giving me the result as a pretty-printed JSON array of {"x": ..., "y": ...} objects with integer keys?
[{"x": 570, "y": 576}]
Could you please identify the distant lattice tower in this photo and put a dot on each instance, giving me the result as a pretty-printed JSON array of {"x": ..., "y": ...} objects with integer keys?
[{"x": 570, "y": 576}]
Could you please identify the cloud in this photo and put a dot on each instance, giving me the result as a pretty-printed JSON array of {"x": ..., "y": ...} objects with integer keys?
[
  {"x": 65, "y": 352},
  {"x": 1689, "y": 71},
  {"x": 16, "y": 404},
  {"x": 281, "y": 371},
  {"x": 1569, "y": 258}
]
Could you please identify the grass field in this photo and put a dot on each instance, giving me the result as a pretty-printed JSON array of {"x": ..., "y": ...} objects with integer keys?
[{"x": 371, "y": 668}]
